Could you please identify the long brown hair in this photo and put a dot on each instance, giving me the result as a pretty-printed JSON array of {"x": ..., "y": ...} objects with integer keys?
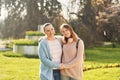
[{"x": 73, "y": 34}]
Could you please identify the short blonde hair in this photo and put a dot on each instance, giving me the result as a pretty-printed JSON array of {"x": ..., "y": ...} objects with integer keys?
[{"x": 45, "y": 25}]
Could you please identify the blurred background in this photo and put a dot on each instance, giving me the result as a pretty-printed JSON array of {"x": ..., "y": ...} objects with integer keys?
[{"x": 93, "y": 20}]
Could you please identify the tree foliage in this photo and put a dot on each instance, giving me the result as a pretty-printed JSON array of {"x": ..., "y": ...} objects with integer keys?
[
  {"x": 92, "y": 20},
  {"x": 108, "y": 22},
  {"x": 27, "y": 15}
]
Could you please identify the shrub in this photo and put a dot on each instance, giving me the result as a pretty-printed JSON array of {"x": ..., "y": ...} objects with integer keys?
[
  {"x": 11, "y": 54},
  {"x": 102, "y": 66},
  {"x": 25, "y": 42},
  {"x": 34, "y": 33}
]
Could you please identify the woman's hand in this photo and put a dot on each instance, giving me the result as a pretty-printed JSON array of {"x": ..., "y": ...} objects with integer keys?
[{"x": 62, "y": 66}]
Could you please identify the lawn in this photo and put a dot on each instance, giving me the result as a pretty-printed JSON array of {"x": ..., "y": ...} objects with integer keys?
[
  {"x": 102, "y": 74},
  {"x": 100, "y": 57},
  {"x": 15, "y": 66},
  {"x": 18, "y": 67}
]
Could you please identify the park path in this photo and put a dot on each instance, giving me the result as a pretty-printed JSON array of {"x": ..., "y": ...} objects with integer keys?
[{"x": 2, "y": 46}]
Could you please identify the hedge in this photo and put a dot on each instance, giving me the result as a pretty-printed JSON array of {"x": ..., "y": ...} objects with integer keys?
[
  {"x": 34, "y": 33},
  {"x": 25, "y": 42}
]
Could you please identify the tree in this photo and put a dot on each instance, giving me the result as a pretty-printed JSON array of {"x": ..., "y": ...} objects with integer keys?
[
  {"x": 27, "y": 15},
  {"x": 85, "y": 23},
  {"x": 13, "y": 23},
  {"x": 108, "y": 22}
]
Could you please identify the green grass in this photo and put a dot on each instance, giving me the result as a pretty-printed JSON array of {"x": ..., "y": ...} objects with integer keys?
[
  {"x": 100, "y": 56},
  {"x": 15, "y": 66},
  {"x": 18, "y": 67},
  {"x": 102, "y": 74}
]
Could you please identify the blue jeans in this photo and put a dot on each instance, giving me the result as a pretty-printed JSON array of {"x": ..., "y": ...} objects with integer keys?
[{"x": 56, "y": 74}]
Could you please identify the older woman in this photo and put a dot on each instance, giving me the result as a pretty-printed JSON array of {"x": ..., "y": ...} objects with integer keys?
[{"x": 50, "y": 52}]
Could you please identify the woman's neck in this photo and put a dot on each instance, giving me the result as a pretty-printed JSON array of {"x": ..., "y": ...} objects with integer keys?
[
  {"x": 51, "y": 38},
  {"x": 70, "y": 40}
]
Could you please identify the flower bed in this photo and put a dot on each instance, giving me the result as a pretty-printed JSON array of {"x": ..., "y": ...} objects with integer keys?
[
  {"x": 24, "y": 49},
  {"x": 34, "y": 35},
  {"x": 25, "y": 46}
]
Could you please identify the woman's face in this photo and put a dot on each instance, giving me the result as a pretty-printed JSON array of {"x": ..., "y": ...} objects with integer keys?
[
  {"x": 49, "y": 31},
  {"x": 65, "y": 32}
]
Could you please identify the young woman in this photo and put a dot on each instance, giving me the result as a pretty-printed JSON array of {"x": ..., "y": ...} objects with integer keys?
[{"x": 72, "y": 57}]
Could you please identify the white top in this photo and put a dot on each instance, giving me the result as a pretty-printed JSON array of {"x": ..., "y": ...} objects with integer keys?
[{"x": 55, "y": 50}]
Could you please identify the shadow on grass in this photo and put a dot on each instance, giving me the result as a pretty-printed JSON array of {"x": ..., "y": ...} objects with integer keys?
[
  {"x": 15, "y": 55},
  {"x": 31, "y": 56}
]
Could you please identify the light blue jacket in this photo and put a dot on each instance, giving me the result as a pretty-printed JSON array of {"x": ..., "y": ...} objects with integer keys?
[{"x": 47, "y": 65}]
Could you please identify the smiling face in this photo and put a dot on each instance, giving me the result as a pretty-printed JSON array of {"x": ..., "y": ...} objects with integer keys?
[
  {"x": 66, "y": 33},
  {"x": 49, "y": 31}
]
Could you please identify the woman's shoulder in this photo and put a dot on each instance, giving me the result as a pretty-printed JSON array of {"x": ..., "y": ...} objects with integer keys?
[
  {"x": 58, "y": 37},
  {"x": 42, "y": 40},
  {"x": 80, "y": 40}
]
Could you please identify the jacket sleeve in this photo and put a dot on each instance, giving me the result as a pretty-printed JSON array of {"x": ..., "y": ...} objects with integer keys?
[
  {"x": 43, "y": 52},
  {"x": 78, "y": 60}
]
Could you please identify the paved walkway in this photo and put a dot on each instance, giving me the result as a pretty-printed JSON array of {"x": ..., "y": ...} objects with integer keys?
[{"x": 2, "y": 47}]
